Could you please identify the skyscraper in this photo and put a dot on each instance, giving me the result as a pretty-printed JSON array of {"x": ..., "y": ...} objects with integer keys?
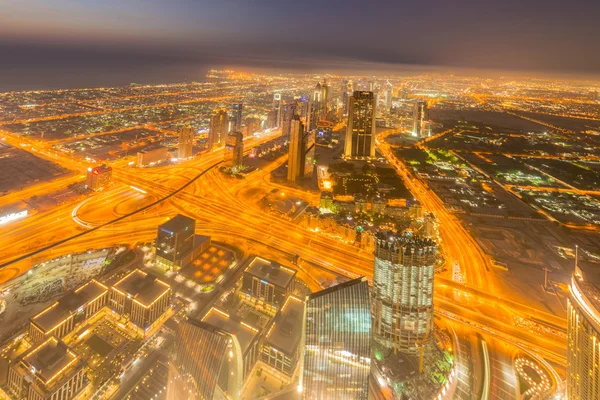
[
  {"x": 219, "y": 127},
  {"x": 583, "y": 339},
  {"x": 421, "y": 126},
  {"x": 403, "y": 291},
  {"x": 288, "y": 110},
  {"x": 234, "y": 150},
  {"x": 337, "y": 326},
  {"x": 387, "y": 96},
  {"x": 297, "y": 150},
  {"x": 277, "y": 108},
  {"x": 324, "y": 105},
  {"x": 186, "y": 143},
  {"x": 236, "y": 117},
  {"x": 205, "y": 363},
  {"x": 360, "y": 130}
]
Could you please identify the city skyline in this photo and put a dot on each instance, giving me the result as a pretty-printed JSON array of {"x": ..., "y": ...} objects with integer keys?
[{"x": 299, "y": 200}]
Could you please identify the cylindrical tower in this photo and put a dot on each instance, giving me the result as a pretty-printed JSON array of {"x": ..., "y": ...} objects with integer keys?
[{"x": 402, "y": 299}]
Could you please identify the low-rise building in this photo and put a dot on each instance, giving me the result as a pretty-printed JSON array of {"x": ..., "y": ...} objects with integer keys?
[
  {"x": 281, "y": 345},
  {"x": 64, "y": 315},
  {"x": 99, "y": 178},
  {"x": 150, "y": 157},
  {"x": 141, "y": 296},
  {"x": 48, "y": 371},
  {"x": 266, "y": 284}
]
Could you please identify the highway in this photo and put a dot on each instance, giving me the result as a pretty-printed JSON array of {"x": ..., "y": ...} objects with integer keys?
[{"x": 226, "y": 209}]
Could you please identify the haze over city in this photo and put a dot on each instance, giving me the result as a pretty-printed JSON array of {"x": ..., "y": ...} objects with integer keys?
[{"x": 283, "y": 200}]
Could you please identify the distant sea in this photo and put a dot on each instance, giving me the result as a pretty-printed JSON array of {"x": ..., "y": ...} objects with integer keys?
[{"x": 38, "y": 77}]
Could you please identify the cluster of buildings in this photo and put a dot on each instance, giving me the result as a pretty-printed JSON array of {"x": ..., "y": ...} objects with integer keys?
[
  {"x": 358, "y": 221},
  {"x": 345, "y": 324},
  {"x": 215, "y": 355},
  {"x": 324, "y": 341},
  {"x": 50, "y": 368}
]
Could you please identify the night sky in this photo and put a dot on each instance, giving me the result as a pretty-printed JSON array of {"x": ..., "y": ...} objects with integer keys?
[{"x": 62, "y": 43}]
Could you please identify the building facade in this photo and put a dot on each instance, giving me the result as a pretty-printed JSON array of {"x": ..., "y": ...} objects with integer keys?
[
  {"x": 185, "y": 147},
  {"x": 64, "y": 315},
  {"x": 174, "y": 240},
  {"x": 99, "y": 178},
  {"x": 421, "y": 126},
  {"x": 361, "y": 126},
  {"x": 337, "y": 332},
  {"x": 234, "y": 151},
  {"x": 403, "y": 291},
  {"x": 297, "y": 150},
  {"x": 267, "y": 284},
  {"x": 141, "y": 296},
  {"x": 248, "y": 338},
  {"x": 219, "y": 127},
  {"x": 205, "y": 363},
  {"x": 236, "y": 116},
  {"x": 583, "y": 340},
  {"x": 281, "y": 345},
  {"x": 48, "y": 371}
]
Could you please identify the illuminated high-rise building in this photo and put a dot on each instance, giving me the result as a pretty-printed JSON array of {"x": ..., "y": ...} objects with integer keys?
[
  {"x": 324, "y": 105},
  {"x": 297, "y": 150},
  {"x": 174, "y": 240},
  {"x": 403, "y": 291},
  {"x": 186, "y": 143},
  {"x": 205, "y": 363},
  {"x": 337, "y": 327},
  {"x": 387, "y": 96},
  {"x": 234, "y": 150},
  {"x": 219, "y": 127},
  {"x": 360, "y": 130},
  {"x": 421, "y": 125},
  {"x": 583, "y": 339},
  {"x": 288, "y": 110},
  {"x": 277, "y": 105},
  {"x": 236, "y": 116}
]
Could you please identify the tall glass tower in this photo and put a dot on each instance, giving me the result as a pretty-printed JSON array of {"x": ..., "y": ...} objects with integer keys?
[
  {"x": 360, "y": 129},
  {"x": 421, "y": 127},
  {"x": 403, "y": 291},
  {"x": 583, "y": 339},
  {"x": 206, "y": 363},
  {"x": 337, "y": 324}
]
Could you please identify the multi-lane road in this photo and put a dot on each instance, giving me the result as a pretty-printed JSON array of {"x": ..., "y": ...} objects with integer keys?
[{"x": 225, "y": 208}]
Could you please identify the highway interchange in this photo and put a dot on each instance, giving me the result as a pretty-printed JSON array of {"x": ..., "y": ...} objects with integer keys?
[{"x": 226, "y": 209}]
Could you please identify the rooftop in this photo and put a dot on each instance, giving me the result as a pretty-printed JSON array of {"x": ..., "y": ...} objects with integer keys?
[
  {"x": 178, "y": 223},
  {"x": 209, "y": 264},
  {"x": 49, "y": 359},
  {"x": 271, "y": 272},
  {"x": 245, "y": 333},
  {"x": 67, "y": 305},
  {"x": 286, "y": 330},
  {"x": 143, "y": 287},
  {"x": 337, "y": 287},
  {"x": 391, "y": 239}
]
